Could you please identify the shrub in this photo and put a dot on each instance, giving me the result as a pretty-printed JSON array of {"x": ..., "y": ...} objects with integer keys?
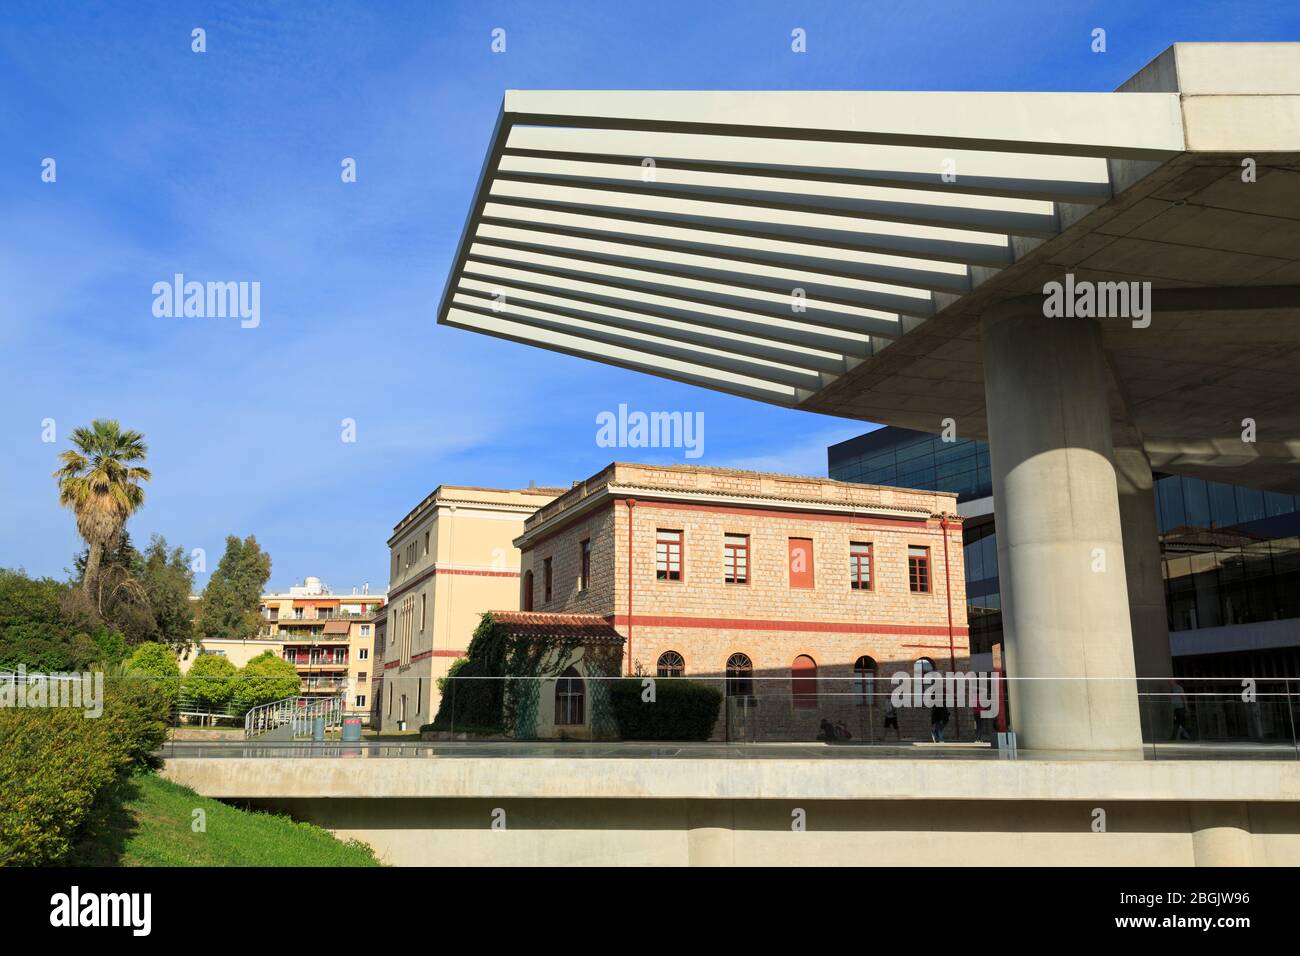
[
  {"x": 682, "y": 710},
  {"x": 59, "y": 769},
  {"x": 263, "y": 679},
  {"x": 137, "y": 713}
]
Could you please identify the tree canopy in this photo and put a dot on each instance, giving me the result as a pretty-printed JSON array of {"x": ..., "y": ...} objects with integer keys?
[
  {"x": 265, "y": 678},
  {"x": 233, "y": 593},
  {"x": 210, "y": 681}
]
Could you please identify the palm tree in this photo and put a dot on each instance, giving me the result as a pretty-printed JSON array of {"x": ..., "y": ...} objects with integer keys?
[{"x": 100, "y": 482}]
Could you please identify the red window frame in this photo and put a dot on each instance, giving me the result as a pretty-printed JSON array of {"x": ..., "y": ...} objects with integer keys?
[
  {"x": 670, "y": 554},
  {"x": 857, "y": 551},
  {"x": 918, "y": 569},
  {"x": 735, "y": 559}
]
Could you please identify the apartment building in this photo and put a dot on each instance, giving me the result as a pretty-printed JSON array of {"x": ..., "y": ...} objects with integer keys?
[
  {"x": 452, "y": 558},
  {"x": 793, "y": 595},
  {"x": 328, "y": 637}
]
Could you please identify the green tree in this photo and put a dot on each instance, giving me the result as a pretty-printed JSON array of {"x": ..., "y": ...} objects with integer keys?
[
  {"x": 157, "y": 663},
  {"x": 210, "y": 681},
  {"x": 145, "y": 596},
  {"x": 263, "y": 679},
  {"x": 168, "y": 582},
  {"x": 35, "y": 632},
  {"x": 100, "y": 481},
  {"x": 230, "y": 600}
]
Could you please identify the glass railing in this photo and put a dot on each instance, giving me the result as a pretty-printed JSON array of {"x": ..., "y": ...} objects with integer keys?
[{"x": 934, "y": 715}]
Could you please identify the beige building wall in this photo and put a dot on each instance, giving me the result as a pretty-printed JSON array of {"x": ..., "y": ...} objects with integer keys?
[
  {"x": 237, "y": 652},
  {"x": 451, "y": 559}
]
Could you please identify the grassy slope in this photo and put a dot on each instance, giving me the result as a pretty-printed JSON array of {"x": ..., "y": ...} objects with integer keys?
[{"x": 151, "y": 826}]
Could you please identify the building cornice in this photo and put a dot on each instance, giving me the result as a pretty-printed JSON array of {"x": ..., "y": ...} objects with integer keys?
[{"x": 615, "y": 491}]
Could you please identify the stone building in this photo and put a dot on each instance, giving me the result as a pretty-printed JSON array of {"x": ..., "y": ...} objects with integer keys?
[{"x": 798, "y": 597}]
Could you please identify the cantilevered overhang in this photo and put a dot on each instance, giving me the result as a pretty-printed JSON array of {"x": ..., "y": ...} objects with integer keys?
[{"x": 833, "y": 250}]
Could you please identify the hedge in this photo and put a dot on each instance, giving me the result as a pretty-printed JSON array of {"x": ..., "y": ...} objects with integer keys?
[
  {"x": 681, "y": 710},
  {"x": 59, "y": 769}
]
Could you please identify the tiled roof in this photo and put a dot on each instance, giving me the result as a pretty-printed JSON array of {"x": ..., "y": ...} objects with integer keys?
[{"x": 589, "y": 628}]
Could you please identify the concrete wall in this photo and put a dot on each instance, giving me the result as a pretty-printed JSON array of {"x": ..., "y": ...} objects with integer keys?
[
  {"x": 702, "y": 811},
  {"x": 412, "y": 832}
]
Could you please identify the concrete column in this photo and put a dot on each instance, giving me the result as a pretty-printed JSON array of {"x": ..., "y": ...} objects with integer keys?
[
  {"x": 1065, "y": 613},
  {"x": 710, "y": 837},
  {"x": 1148, "y": 617},
  {"x": 1221, "y": 834}
]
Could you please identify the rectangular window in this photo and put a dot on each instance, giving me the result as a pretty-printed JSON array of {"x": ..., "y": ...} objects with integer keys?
[
  {"x": 426, "y": 544},
  {"x": 735, "y": 558},
  {"x": 422, "y": 608},
  {"x": 361, "y": 700},
  {"x": 361, "y": 676},
  {"x": 364, "y": 654},
  {"x": 668, "y": 555},
  {"x": 584, "y": 572},
  {"x": 860, "y": 566},
  {"x": 419, "y": 693},
  {"x": 365, "y": 630},
  {"x": 801, "y": 563},
  {"x": 546, "y": 579},
  {"x": 918, "y": 569}
]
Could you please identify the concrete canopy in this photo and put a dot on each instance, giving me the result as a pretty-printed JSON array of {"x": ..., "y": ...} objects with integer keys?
[{"x": 834, "y": 251}]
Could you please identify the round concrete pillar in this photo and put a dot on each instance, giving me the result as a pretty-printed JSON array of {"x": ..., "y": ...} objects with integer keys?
[
  {"x": 1065, "y": 611},
  {"x": 1148, "y": 616},
  {"x": 1220, "y": 834}
]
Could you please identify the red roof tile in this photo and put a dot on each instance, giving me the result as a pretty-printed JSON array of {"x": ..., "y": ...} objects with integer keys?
[{"x": 589, "y": 628}]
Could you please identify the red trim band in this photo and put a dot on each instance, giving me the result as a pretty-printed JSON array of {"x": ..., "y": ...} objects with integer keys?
[{"x": 823, "y": 627}]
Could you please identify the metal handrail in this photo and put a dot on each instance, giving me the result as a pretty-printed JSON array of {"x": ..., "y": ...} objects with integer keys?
[{"x": 299, "y": 712}]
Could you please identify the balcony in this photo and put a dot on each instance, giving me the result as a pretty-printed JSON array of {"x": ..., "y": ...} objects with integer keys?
[
  {"x": 303, "y": 661},
  {"x": 324, "y": 685}
]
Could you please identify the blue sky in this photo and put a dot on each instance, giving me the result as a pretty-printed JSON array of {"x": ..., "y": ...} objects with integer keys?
[{"x": 225, "y": 165}]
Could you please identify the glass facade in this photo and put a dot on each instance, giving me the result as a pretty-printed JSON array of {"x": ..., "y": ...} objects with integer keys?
[
  {"x": 1231, "y": 554},
  {"x": 908, "y": 459}
]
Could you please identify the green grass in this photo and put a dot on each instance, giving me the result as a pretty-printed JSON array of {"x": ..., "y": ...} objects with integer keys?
[{"x": 150, "y": 824}]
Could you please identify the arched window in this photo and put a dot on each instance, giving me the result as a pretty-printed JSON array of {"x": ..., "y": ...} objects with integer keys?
[
  {"x": 740, "y": 676},
  {"x": 803, "y": 681},
  {"x": 528, "y": 590},
  {"x": 671, "y": 664},
  {"x": 569, "y": 698},
  {"x": 864, "y": 681}
]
